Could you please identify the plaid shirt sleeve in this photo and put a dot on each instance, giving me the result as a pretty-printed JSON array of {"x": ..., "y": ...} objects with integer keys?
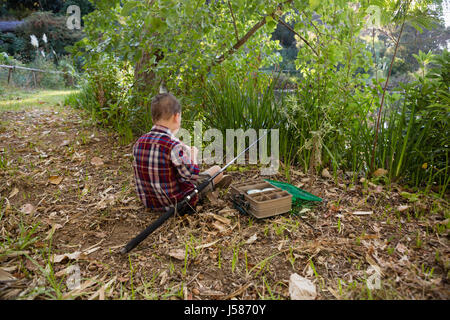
[{"x": 181, "y": 159}]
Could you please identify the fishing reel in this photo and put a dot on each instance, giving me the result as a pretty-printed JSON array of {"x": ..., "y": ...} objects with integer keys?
[{"x": 240, "y": 204}]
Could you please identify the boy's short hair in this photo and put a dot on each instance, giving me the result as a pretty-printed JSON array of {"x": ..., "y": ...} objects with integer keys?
[{"x": 164, "y": 105}]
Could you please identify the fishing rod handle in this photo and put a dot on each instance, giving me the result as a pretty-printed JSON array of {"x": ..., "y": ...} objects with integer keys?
[
  {"x": 147, "y": 231},
  {"x": 155, "y": 225}
]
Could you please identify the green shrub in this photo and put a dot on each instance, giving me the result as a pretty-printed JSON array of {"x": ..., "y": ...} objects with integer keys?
[
  {"x": 414, "y": 140},
  {"x": 106, "y": 94},
  {"x": 11, "y": 44},
  {"x": 232, "y": 104}
]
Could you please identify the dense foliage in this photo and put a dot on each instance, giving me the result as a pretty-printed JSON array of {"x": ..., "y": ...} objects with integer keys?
[
  {"x": 344, "y": 114},
  {"x": 58, "y": 36}
]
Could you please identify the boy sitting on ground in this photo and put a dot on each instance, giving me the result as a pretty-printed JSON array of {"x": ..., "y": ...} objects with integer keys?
[{"x": 165, "y": 169}]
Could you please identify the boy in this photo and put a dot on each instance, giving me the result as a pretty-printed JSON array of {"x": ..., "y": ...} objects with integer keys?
[{"x": 165, "y": 169}]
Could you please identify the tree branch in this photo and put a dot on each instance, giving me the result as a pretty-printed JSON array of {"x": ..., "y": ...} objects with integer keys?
[
  {"x": 234, "y": 21},
  {"x": 298, "y": 35},
  {"x": 247, "y": 36}
]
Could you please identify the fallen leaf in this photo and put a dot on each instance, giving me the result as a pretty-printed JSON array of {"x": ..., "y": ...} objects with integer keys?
[
  {"x": 62, "y": 257},
  {"x": 55, "y": 180},
  {"x": 28, "y": 209},
  {"x": 380, "y": 172},
  {"x": 96, "y": 161},
  {"x": 298, "y": 173},
  {"x": 105, "y": 202},
  {"x": 224, "y": 211},
  {"x": 81, "y": 289},
  {"x": 280, "y": 246},
  {"x": 12, "y": 268},
  {"x": 206, "y": 245},
  {"x": 220, "y": 227},
  {"x": 301, "y": 288},
  {"x": 6, "y": 276},
  {"x": 402, "y": 208},
  {"x": 252, "y": 239},
  {"x": 100, "y": 234},
  {"x": 220, "y": 218},
  {"x": 326, "y": 173},
  {"x": 101, "y": 292},
  {"x": 64, "y": 271},
  {"x": 178, "y": 254},
  {"x": 65, "y": 143},
  {"x": 13, "y": 192},
  {"x": 88, "y": 252}
]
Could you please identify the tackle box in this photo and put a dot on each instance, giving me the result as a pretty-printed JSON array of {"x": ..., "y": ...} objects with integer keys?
[{"x": 263, "y": 204}]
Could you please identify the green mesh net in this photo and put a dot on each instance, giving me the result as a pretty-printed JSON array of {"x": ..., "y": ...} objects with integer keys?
[{"x": 299, "y": 196}]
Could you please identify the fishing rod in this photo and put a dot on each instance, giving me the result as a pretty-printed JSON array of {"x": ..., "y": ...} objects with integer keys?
[{"x": 180, "y": 206}]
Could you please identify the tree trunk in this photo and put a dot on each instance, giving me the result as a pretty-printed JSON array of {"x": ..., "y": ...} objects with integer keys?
[{"x": 144, "y": 77}]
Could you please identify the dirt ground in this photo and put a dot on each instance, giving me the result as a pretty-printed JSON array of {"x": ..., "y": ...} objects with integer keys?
[{"x": 68, "y": 205}]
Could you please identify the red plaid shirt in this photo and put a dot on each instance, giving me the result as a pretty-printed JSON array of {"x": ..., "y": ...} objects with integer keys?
[{"x": 163, "y": 170}]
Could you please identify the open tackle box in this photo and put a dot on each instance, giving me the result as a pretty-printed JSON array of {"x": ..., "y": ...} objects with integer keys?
[{"x": 260, "y": 203}]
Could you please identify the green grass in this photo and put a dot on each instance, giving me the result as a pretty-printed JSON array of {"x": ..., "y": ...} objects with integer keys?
[{"x": 17, "y": 99}]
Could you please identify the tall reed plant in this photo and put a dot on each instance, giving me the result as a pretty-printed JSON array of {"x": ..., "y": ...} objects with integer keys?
[
  {"x": 414, "y": 144},
  {"x": 230, "y": 103}
]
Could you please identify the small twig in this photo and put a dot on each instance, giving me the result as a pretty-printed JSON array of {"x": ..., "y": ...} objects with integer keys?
[{"x": 312, "y": 227}]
